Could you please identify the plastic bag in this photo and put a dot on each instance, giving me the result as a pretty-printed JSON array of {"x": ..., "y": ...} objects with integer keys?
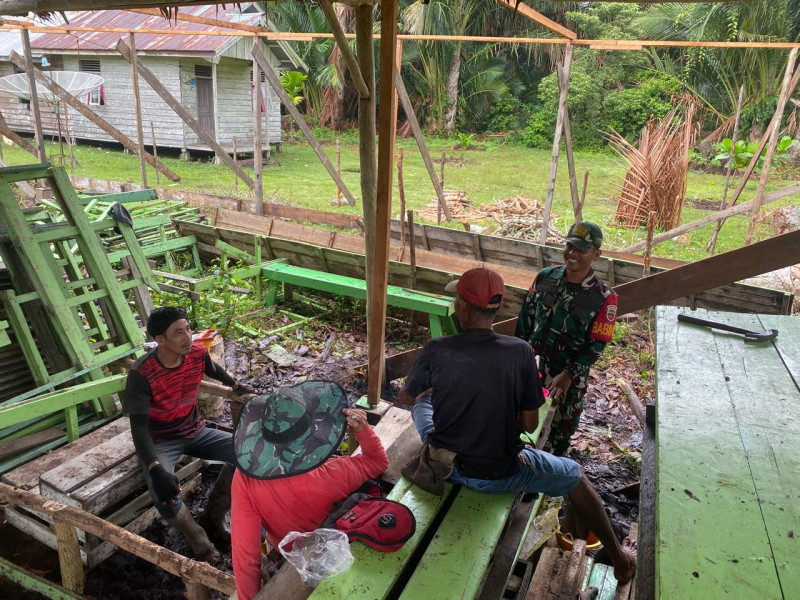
[
  {"x": 542, "y": 528},
  {"x": 317, "y": 554}
]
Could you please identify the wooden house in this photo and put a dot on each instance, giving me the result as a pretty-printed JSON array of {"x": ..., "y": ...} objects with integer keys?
[{"x": 210, "y": 75}]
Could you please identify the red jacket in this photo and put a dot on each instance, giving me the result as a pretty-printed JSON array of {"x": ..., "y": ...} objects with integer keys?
[{"x": 299, "y": 503}]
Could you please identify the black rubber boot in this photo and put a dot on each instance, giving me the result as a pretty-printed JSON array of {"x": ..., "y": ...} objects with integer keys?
[
  {"x": 219, "y": 503},
  {"x": 198, "y": 540}
]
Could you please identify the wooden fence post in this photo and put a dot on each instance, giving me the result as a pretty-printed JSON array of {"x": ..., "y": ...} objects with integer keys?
[{"x": 69, "y": 556}]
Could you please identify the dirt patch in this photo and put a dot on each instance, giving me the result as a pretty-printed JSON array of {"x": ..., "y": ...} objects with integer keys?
[{"x": 704, "y": 204}]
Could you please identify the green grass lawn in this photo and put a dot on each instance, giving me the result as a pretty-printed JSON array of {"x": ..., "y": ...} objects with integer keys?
[{"x": 496, "y": 172}]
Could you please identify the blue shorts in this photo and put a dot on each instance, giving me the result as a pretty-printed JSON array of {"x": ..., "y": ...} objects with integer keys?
[{"x": 540, "y": 472}]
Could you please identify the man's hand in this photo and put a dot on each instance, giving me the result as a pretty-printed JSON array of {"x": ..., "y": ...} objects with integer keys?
[
  {"x": 165, "y": 485},
  {"x": 559, "y": 386},
  {"x": 242, "y": 389},
  {"x": 356, "y": 420}
]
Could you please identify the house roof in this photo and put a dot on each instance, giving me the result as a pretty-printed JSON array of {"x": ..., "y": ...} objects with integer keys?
[{"x": 105, "y": 41}]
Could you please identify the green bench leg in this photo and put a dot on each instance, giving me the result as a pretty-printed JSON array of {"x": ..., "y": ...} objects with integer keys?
[
  {"x": 272, "y": 293},
  {"x": 436, "y": 326}
]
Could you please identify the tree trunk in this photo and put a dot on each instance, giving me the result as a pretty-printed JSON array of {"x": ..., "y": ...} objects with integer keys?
[{"x": 452, "y": 91}]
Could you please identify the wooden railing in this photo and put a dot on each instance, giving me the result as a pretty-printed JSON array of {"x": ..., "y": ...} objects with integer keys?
[{"x": 199, "y": 577}]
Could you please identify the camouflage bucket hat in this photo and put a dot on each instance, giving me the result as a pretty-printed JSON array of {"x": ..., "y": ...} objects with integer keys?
[{"x": 290, "y": 431}]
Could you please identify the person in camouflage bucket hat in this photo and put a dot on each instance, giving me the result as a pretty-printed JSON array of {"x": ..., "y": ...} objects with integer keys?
[
  {"x": 289, "y": 476},
  {"x": 290, "y": 431}
]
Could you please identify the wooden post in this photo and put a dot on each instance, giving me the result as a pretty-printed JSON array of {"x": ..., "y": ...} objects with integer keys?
[
  {"x": 786, "y": 90},
  {"x": 155, "y": 150},
  {"x": 712, "y": 243},
  {"x": 563, "y": 83},
  {"x": 412, "y": 250},
  {"x": 369, "y": 198},
  {"x": 257, "y": 147},
  {"x": 583, "y": 190},
  {"x": 236, "y": 160},
  {"x": 423, "y": 148},
  {"x": 275, "y": 83},
  {"x": 14, "y": 137},
  {"x": 175, "y": 105},
  {"x": 69, "y": 137},
  {"x": 402, "y": 193},
  {"x": 137, "y": 104},
  {"x": 69, "y": 556},
  {"x": 573, "y": 178},
  {"x": 651, "y": 224},
  {"x": 30, "y": 70},
  {"x": 60, "y": 139},
  {"x": 89, "y": 114},
  {"x": 341, "y": 41}
]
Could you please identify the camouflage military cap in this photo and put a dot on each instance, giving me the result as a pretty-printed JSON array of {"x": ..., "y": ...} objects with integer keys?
[
  {"x": 290, "y": 431},
  {"x": 585, "y": 234}
]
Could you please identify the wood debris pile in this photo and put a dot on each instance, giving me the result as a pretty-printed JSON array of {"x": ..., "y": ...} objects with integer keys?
[
  {"x": 461, "y": 208},
  {"x": 656, "y": 177},
  {"x": 457, "y": 201}
]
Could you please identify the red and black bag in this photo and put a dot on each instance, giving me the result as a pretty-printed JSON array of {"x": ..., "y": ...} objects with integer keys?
[{"x": 383, "y": 524}]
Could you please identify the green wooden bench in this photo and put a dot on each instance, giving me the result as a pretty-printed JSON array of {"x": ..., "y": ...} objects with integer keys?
[
  {"x": 449, "y": 554},
  {"x": 438, "y": 307}
]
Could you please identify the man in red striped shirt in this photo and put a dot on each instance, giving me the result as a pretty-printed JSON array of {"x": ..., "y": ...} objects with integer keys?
[{"x": 161, "y": 400}]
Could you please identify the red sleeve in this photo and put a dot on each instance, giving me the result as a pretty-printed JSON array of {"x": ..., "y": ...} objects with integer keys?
[
  {"x": 603, "y": 325},
  {"x": 245, "y": 540}
]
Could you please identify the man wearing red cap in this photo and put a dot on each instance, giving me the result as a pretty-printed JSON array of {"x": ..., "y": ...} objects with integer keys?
[{"x": 472, "y": 394}]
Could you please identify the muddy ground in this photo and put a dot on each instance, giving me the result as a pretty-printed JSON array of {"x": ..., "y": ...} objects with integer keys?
[{"x": 607, "y": 444}]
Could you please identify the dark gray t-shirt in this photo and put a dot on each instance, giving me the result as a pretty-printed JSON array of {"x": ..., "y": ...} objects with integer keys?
[{"x": 481, "y": 382}]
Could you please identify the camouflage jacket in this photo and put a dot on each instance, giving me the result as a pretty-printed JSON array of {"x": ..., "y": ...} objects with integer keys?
[{"x": 567, "y": 324}]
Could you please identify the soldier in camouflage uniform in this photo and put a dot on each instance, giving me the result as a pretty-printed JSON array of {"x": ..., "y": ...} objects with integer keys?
[{"x": 568, "y": 318}]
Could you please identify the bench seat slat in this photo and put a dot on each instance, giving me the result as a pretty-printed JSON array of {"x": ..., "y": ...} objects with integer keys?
[
  {"x": 456, "y": 559},
  {"x": 374, "y": 573}
]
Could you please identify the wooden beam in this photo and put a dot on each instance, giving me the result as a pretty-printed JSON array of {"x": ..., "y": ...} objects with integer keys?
[
  {"x": 258, "y": 167},
  {"x": 275, "y": 83},
  {"x": 537, "y": 17},
  {"x": 137, "y": 106},
  {"x": 344, "y": 47},
  {"x": 171, "y": 562},
  {"x": 376, "y": 298},
  {"x": 416, "y": 131},
  {"x": 34, "y": 96},
  {"x": 179, "y": 16},
  {"x": 722, "y": 269},
  {"x": 563, "y": 84},
  {"x": 577, "y": 203},
  {"x": 89, "y": 114},
  {"x": 175, "y": 105},
  {"x": 14, "y": 137},
  {"x": 787, "y": 87},
  {"x": 716, "y": 217}
]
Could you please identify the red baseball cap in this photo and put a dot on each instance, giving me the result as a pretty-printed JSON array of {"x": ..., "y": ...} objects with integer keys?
[{"x": 482, "y": 288}]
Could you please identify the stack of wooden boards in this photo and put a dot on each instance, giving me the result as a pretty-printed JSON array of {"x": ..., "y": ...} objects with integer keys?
[{"x": 100, "y": 474}]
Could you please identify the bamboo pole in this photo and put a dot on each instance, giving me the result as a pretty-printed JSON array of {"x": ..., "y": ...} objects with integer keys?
[
  {"x": 573, "y": 177},
  {"x": 178, "y": 108},
  {"x": 402, "y": 193},
  {"x": 155, "y": 150},
  {"x": 69, "y": 137},
  {"x": 171, "y": 562},
  {"x": 257, "y": 147},
  {"x": 786, "y": 90},
  {"x": 275, "y": 83},
  {"x": 583, "y": 190},
  {"x": 712, "y": 243},
  {"x": 563, "y": 83},
  {"x": 137, "y": 105},
  {"x": 707, "y": 220},
  {"x": 412, "y": 249},
  {"x": 34, "y": 96},
  {"x": 90, "y": 115},
  {"x": 338, "y": 170},
  {"x": 344, "y": 47},
  {"x": 60, "y": 139},
  {"x": 369, "y": 174},
  {"x": 416, "y": 131}
]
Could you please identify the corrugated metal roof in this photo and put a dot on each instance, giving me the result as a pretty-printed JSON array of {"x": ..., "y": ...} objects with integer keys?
[{"x": 100, "y": 41}]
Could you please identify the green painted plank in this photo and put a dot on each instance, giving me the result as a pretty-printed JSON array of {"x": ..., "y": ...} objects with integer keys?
[
  {"x": 35, "y": 582},
  {"x": 374, "y": 573},
  {"x": 467, "y": 536},
  {"x": 49, "y": 403},
  {"x": 122, "y": 197},
  {"x": 768, "y": 411},
  {"x": 788, "y": 341},
  {"x": 710, "y": 535},
  {"x": 157, "y": 249},
  {"x": 357, "y": 288},
  {"x": 4, "y": 339}
]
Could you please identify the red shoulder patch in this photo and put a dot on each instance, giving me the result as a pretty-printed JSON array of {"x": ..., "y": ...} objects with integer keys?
[{"x": 603, "y": 325}]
